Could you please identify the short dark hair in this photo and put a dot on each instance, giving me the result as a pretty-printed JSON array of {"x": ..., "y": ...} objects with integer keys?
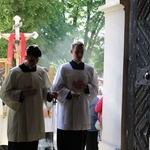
[
  {"x": 34, "y": 50},
  {"x": 78, "y": 43}
]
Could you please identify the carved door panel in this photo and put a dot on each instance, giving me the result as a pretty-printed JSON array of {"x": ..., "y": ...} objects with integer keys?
[{"x": 138, "y": 103}]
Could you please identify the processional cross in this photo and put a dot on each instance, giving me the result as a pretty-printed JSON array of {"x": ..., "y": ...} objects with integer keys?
[{"x": 18, "y": 40}]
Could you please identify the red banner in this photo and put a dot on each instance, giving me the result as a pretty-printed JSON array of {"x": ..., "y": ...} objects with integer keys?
[{"x": 11, "y": 47}]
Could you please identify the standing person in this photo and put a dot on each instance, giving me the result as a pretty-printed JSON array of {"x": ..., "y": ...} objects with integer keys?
[
  {"x": 100, "y": 87},
  {"x": 49, "y": 121},
  {"x": 76, "y": 83},
  {"x": 92, "y": 134},
  {"x": 23, "y": 91},
  {"x": 99, "y": 108}
]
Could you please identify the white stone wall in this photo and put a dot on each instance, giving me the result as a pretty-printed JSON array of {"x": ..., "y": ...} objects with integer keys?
[{"x": 113, "y": 75}]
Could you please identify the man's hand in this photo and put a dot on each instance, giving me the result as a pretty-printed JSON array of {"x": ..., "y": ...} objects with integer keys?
[
  {"x": 45, "y": 112},
  {"x": 29, "y": 91},
  {"x": 79, "y": 85},
  {"x": 76, "y": 95},
  {"x": 53, "y": 95}
]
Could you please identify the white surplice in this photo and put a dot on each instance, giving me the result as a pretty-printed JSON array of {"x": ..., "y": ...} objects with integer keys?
[
  {"x": 74, "y": 114},
  {"x": 50, "y": 121},
  {"x": 25, "y": 119}
]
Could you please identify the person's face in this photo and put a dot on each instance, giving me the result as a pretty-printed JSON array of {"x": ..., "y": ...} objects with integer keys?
[
  {"x": 100, "y": 83},
  {"x": 77, "y": 53},
  {"x": 32, "y": 61}
]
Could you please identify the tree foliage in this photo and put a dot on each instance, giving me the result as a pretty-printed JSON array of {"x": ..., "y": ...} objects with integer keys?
[
  {"x": 58, "y": 24},
  {"x": 84, "y": 15},
  {"x": 32, "y": 12}
]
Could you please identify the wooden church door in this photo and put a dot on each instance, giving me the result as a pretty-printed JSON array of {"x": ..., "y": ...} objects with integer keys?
[{"x": 138, "y": 101}]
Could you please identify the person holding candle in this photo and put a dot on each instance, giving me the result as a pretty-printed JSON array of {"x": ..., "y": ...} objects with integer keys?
[
  {"x": 23, "y": 91},
  {"x": 76, "y": 84}
]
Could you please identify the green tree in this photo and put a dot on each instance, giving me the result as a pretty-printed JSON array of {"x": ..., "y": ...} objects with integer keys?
[
  {"x": 58, "y": 24},
  {"x": 79, "y": 20},
  {"x": 89, "y": 25},
  {"x": 33, "y": 14}
]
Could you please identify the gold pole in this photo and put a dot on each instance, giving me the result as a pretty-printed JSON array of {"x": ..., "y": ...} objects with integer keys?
[{"x": 51, "y": 73}]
